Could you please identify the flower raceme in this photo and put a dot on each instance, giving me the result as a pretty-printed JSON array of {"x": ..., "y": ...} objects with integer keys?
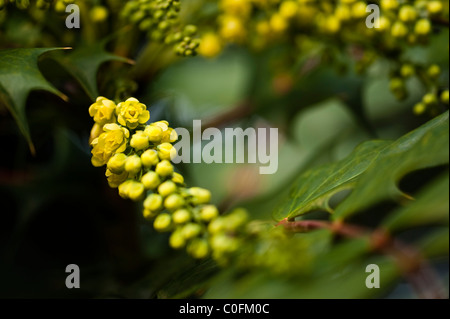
[{"x": 138, "y": 158}]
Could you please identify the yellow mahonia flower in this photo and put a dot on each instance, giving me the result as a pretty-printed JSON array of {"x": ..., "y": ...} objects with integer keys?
[
  {"x": 114, "y": 180},
  {"x": 210, "y": 45},
  {"x": 236, "y": 7},
  {"x": 103, "y": 111},
  {"x": 113, "y": 140},
  {"x": 131, "y": 113},
  {"x": 139, "y": 141},
  {"x": 232, "y": 29}
]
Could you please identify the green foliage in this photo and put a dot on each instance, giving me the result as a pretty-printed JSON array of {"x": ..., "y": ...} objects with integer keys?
[
  {"x": 19, "y": 75},
  {"x": 363, "y": 122}
]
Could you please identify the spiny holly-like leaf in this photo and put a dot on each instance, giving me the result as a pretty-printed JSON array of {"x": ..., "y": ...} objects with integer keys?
[
  {"x": 83, "y": 64},
  {"x": 313, "y": 189},
  {"x": 424, "y": 147},
  {"x": 372, "y": 170},
  {"x": 431, "y": 206},
  {"x": 19, "y": 75}
]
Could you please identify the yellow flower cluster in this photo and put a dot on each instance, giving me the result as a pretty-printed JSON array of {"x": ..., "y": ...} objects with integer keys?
[
  {"x": 138, "y": 158},
  {"x": 59, "y": 5},
  {"x": 261, "y": 24}
]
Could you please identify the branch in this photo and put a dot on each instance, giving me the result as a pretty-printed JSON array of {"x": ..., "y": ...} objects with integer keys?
[{"x": 414, "y": 267}]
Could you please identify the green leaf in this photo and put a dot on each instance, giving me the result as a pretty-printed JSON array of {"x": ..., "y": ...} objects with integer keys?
[
  {"x": 424, "y": 147},
  {"x": 83, "y": 64},
  {"x": 19, "y": 75},
  {"x": 431, "y": 206},
  {"x": 372, "y": 170},
  {"x": 436, "y": 244},
  {"x": 313, "y": 189}
]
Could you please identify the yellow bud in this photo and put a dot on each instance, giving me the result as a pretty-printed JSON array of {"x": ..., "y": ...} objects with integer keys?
[
  {"x": 330, "y": 24},
  {"x": 419, "y": 109},
  {"x": 210, "y": 45},
  {"x": 164, "y": 168},
  {"x": 288, "y": 9},
  {"x": 429, "y": 99},
  {"x": 150, "y": 158},
  {"x": 153, "y": 202},
  {"x": 343, "y": 12},
  {"x": 445, "y": 97},
  {"x": 139, "y": 141},
  {"x": 434, "y": 7},
  {"x": 166, "y": 151},
  {"x": 136, "y": 191},
  {"x": 278, "y": 23},
  {"x": 181, "y": 216},
  {"x": 200, "y": 195},
  {"x": 154, "y": 133},
  {"x": 389, "y": 4},
  {"x": 114, "y": 180},
  {"x": 149, "y": 214},
  {"x": 422, "y": 27},
  {"x": 167, "y": 188},
  {"x": 407, "y": 13},
  {"x": 150, "y": 180},
  {"x": 116, "y": 164},
  {"x": 133, "y": 164},
  {"x": 198, "y": 248},
  {"x": 209, "y": 212},
  {"x": 217, "y": 225},
  {"x": 177, "y": 178},
  {"x": 169, "y": 136},
  {"x": 407, "y": 70},
  {"x": 232, "y": 28},
  {"x": 434, "y": 71},
  {"x": 359, "y": 10},
  {"x": 176, "y": 240},
  {"x": 164, "y": 125},
  {"x": 162, "y": 222},
  {"x": 384, "y": 24},
  {"x": 124, "y": 188},
  {"x": 99, "y": 14},
  {"x": 190, "y": 230},
  {"x": 399, "y": 30},
  {"x": 173, "y": 202}
]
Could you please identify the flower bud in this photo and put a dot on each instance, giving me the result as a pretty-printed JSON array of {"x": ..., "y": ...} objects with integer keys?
[
  {"x": 173, "y": 202},
  {"x": 199, "y": 195},
  {"x": 209, "y": 212},
  {"x": 407, "y": 13},
  {"x": 445, "y": 97},
  {"x": 136, "y": 191},
  {"x": 177, "y": 178},
  {"x": 164, "y": 168},
  {"x": 116, "y": 164},
  {"x": 181, "y": 216},
  {"x": 166, "y": 151},
  {"x": 154, "y": 133},
  {"x": 177, "y": 240},
  {"x": 167, "y": 188},
  {"x": 133, "y": 164},
  {"x": 139, "y": 141},
  {"x": 150, "y": 180},
  {"x": 150, "y": 158},
  {"x": 422, "y": 27},
  {"x": 419, "y": 108},
  {"x": 153, "y": 202},
  {"x": 198, "y": 248},
  {"x": 162, "y": 222},
  {"x": 124, "y": 188},
  {"x": 191, "y": 230}
]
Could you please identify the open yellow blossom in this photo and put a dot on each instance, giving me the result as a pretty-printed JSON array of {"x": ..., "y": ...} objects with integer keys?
[
  {"x": 131, "y": 113},
  {"x": 113, "y": 140},
  {"x": 103, "y": 111}
]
